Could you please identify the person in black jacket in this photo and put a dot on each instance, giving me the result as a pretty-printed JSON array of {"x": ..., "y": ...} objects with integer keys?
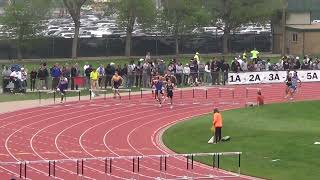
[
  {"x": 215, "y": 69},
  {"x": 73, "y": 75},
  {"x": 225, "y": 68},
  {"x": 43, "y": 75},
  {"x": 87, "y": 73},
  {"x": 33, "y": 78}
]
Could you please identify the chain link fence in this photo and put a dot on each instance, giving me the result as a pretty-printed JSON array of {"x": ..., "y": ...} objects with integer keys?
[{"x": 114, "y": 46}]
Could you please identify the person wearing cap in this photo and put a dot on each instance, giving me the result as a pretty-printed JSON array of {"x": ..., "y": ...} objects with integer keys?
[
  {"x": 217, "y": 125},
  {"x": 197, "y": 57}
]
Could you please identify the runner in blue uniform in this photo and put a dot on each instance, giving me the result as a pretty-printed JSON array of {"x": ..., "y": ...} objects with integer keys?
[
  {"x": 294, "y": 84},
  {"x": 158, "y": 83}
]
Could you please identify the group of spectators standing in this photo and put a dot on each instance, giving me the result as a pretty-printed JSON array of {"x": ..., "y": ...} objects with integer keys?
[{"x": 140, "y": 73}]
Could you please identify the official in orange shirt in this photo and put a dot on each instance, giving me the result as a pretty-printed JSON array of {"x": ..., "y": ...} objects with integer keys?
[
  {"x": 217, "y": 124},
  {"x": 260, "y": 99}
]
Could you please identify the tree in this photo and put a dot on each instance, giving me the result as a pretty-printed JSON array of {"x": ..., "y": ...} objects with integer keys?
[
  {"x": 74, "y": 9},
  {"x": 22, "y": 20},
  {"x": 131, "y": 11},
  {"x": 178, "y": 17},
  {"x": 232, "y": 14}
]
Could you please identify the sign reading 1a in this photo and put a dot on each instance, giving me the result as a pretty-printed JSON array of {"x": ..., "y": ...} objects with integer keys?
[{"x": 235, "y": 78}]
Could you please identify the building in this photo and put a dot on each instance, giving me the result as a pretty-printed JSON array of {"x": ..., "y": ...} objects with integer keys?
[{"x": 301, "y": 35}]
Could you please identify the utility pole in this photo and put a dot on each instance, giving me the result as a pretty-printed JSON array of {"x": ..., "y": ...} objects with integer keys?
[{"x": 284, "y": 22}]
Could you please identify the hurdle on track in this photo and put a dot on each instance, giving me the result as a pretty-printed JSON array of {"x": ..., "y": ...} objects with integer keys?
[
  {"x": 251, "y": 100},
  {"x": 204, "y": 94},
  {"x": 54, "y": 92},
  {"x": 98, "y": 90},
  {"x": 167, "y": 163},
  {"x": 223, "y": 100}
]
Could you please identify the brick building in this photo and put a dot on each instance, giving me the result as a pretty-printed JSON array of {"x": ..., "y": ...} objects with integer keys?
[{"x": 301, "y": 36}]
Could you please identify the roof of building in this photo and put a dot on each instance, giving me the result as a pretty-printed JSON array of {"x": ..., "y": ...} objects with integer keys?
[
  {"x": 303, "y": 5},
  {"x": 305, "y": 28}
]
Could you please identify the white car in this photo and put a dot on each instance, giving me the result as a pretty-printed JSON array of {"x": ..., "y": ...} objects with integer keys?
[
  {"x": 67, "y": 35},
  {"x": 315, "y": 21}
]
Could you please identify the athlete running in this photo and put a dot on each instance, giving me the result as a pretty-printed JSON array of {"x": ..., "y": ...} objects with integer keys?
[
  {"x": 169, "y": 89},
  {"x": 158, "y": 83},
  {"x": 116, "y": 82},
  {"x": 294, "y": 84},
  {"x": 288, "y": 82}
]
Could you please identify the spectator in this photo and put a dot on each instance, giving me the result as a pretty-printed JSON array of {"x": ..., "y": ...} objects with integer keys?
[
  {"x": 305, "y": 64},
  {"x": 130, "y": 73},
  {"x": 43, "y": 76},
  {"x": 24, "y": 84},
  {"x": 101, "y": 71},
  {"x": 87, "y": 73},
  {"x": 55, "y": 74},
  {"x": 148, "y": 57},
  {"x": 161, "y": 68},
  {"x": 208, "y": 78},
  {"x": 138, "y": 73},
  {"x": 6, "y": 78},
  {"x": 201, "y": 71},
  {"x": 197, "y": 57},
  {"x": 186, "y": 74},
  {"x": 179, "y": 73},
  {"x": 268, "y": 65},
  {"x": 215, "y": 73},
  {"x": 225, "y": 68},
  {"x": 193, "y": 72},
  {"x": 254, "y": 54},
  {"x": 33, "y": 78},
  {"x": 146, "y": 73},
  {"x": 244, "y": 65}
]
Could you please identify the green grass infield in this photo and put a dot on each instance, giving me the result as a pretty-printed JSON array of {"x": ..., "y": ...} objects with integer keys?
[{"x": 277, "y": 140}]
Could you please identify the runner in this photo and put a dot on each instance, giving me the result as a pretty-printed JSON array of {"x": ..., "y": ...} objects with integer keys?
[
  {"x": 288, "y": 84},
  {"x": 116, "y": 81},
  {"x": 294, "y": 84},
  {"x": 158, "y": 83},
  {"x": 62, "y": 86},
  {"x": 169, "y": 88}
]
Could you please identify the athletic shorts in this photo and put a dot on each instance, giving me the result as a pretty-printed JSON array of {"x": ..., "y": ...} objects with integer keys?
[
  {"x": 116, "y": 86},
  {"x": 158, "y": 91},
  {"x": 169, "y": 94}
]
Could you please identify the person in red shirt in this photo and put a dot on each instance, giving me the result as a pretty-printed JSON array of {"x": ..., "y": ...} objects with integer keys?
[
  {"x": 260, "y": 99},
  {"x": 217, "y": 125}
]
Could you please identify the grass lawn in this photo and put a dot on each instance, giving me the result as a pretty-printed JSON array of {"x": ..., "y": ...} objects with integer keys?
[
  {"x": 118, "y": 61},
  {"x": 280, "y": 131},
  {"x": 35, "y": 96}
]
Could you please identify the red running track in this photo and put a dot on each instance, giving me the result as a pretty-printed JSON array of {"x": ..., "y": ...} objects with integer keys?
[{"x": 111, "y": 128}]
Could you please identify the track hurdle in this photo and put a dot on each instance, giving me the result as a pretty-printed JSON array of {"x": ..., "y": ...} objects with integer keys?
[
  {"x": 224, "y": 99},
  {"x": 203, "y": 95},
  {"x": 158, "y": 166},
  {"x": 251, "y": 100},
  {"x": 72, "y": 91},
  {"x": 98, "y": 90},
  {"x": 47, "y": 92},
  {"x": 124, "y": 90},
  {"x": 147, "y": 90}
]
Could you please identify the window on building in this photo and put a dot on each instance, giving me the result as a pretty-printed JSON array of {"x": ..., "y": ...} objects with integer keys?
[{"x": 294, "y": 37}]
